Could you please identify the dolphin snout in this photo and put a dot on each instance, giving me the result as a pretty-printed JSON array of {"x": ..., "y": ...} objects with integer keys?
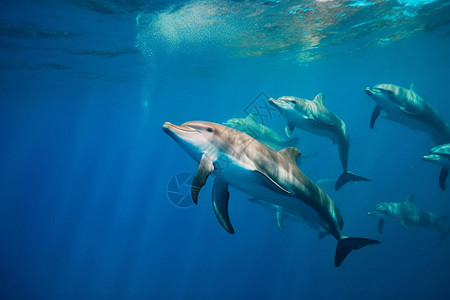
[
  {"x": 275, "y": 103},
  {"x": 166, "y": 127},
  {"x": 170, "y": 128},
  {"x": 430, "y": 157},
  {"x": 369, "y": 91}
]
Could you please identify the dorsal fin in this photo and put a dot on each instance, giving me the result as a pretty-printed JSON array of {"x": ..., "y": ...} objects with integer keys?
[
  {"x": 250, "y": 117},
  {"x": 319, "y": 98},
  {"x": 410, "y": 198},
  {"x": 291, "y": 153},
  {"x": 412, "y": 88}
]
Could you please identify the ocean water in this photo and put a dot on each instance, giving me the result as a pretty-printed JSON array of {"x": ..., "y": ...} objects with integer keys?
[{"x": 94, "y": 197}]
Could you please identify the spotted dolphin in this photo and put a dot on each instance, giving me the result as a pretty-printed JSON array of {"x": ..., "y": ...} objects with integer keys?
[
  {"x": 406, "y": 107},
  {"x": 409, "y": 215},
  {"x": 262, "y": 133},
  {"x": 314, "y": 117},
  {"x": 241, "y": 161},
  {"x": 440, "y": 155}
]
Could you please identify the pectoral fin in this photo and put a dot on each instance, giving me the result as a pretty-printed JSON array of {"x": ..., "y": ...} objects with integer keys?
[
  {"x": 375, "y": 114},
  {"x": 443, "y": 177},
  {"x": 380, "y": 225},
  {"x": 271, "y": 183},
  {"x": 280, "y": 222},
  {"x": 404, "y": 224},
  {"x": 288, "y": 130},
  {"x": 220, "y": 204},
  {"x": 205, "y": 168}
]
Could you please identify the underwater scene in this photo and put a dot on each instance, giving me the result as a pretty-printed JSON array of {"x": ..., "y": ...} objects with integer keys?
[{"x": 193, "y": 149}]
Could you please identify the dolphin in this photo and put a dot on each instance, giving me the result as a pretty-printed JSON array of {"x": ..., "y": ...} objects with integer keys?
[
  {"x": 237, "y": 159},
  {"x": 314, "y": 117},
  {"x": 409, "y": 215},
  {"x": 282, "y": 213},
  {"x": 440, "y": 155},
  {"x": 260, "y": 132},
  {"x": 406, "y": 107}
]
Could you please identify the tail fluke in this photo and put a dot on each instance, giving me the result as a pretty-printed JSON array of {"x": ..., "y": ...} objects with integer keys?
[
  {"x": 347, "y": 244},
  {"x": 346, "y": 177}
]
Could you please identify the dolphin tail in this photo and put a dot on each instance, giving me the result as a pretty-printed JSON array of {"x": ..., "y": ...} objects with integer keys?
[
  {"x": 347, "y": 244},
  {"x": 346, "y": 177}
]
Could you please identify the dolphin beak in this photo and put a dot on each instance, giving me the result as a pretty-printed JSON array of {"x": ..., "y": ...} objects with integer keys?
[
  {"x": 171, "y": 129},
  {"x": 166, "y": 127},
  {"x": 274, "y": 103},
  {"x": 373, "y": 91},
  {"x": 369, "y": 91},
  {"x": 430, "y": 157}
]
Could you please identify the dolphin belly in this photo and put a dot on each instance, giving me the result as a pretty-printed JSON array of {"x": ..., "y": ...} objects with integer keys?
[
  {"x": 314, "y": 127},
  {"x": 249, "y": 182}
]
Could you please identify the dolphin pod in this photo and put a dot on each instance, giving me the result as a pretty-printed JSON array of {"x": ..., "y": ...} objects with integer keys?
[
  {"x": 244, "y": 154},
  {"x": 237, "y": 159}
]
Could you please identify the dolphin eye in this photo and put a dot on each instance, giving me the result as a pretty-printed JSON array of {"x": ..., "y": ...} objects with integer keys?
[
  {"x": 209, "y": 129},
  {"x": 292, "y": 101}
]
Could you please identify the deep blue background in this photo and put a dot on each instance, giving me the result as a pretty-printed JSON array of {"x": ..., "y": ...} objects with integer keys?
[{"x": 84, "y": 168}]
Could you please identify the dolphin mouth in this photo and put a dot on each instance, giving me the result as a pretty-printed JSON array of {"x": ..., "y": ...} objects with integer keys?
[
  {"x": 275, "y": 103},
  {"x": 373, "y": 91},
  {"x": 170, "y": 128},
  {"x": 431, "y": 157},
  {"x": 272, "y": 101}
]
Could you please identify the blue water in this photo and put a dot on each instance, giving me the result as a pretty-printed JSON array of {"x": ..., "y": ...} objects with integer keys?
[{"x": 85, "y": 208}]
